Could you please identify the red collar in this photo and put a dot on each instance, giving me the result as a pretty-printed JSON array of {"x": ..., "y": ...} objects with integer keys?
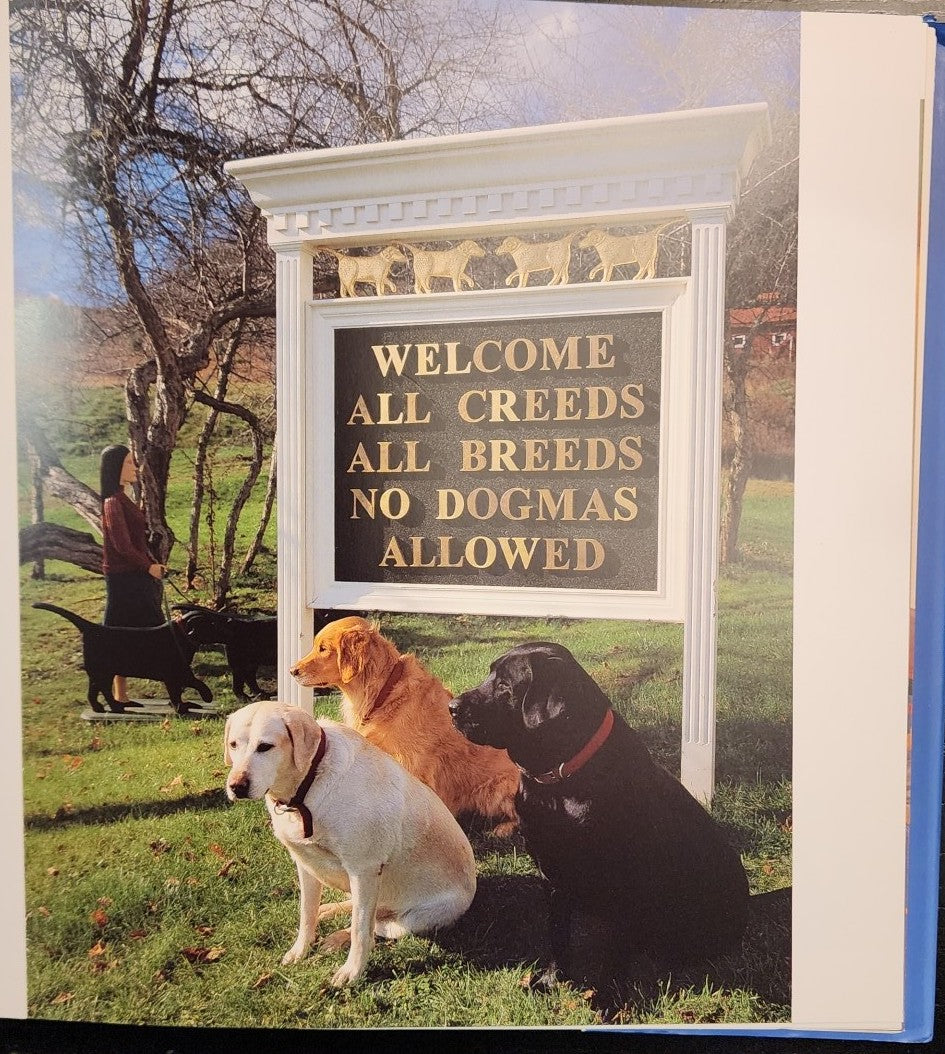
[
  {"x": 590, "y": 748},
  {"x": 392, "y": 678},
  {"x": 297, "y": 801}
]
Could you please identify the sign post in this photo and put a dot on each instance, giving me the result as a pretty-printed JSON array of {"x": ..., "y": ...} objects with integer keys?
[{"x": 546, "y": 450}]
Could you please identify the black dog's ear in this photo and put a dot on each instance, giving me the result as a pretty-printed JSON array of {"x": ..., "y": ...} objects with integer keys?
[{"x": 546, "y": 694}]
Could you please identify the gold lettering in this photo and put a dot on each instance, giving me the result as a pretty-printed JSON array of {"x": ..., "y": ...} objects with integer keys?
[
  {"x": 536, "y": 404},
  {"x": 595, "y": 394},
  {"x": 449, "y": 504},
  {"x": 555, "y": 550},
  {"x": 393, "y": 556},
  {"x": 474, "y": 455},
  {"x": 388, "y": 355},
  {"x": 555, "y": 356},
  {"x": 625, "y": 498},
  {"x": 549, "y": 509},
  {"x": 630, "y": 449},
  {"x": 598, "y": 348},
  {"x": 426, "y": 359},
  {"x": 633, "y": 405},
  {"x": 360, "y": 462},
  {"x": 596, "y": 507},
  {"x": 479, "y": 359},
  {"x": 360, "y": 413},
  {"x": 514, "y": 550},
  {"x": 462, "y": 406},
  {"x": 451, "y": 359},
  {"x": 511, "y": 359},
  {"x": 416, "y": 551},
  {"x": 583, "y": 547},
  {"x": 472, "y": 558},
  {"x": 601, "y": 454},
  {"x": 565, "y": 399},
  {"x": 519, "y": 512},
  {"x": 474, "y": 506}
]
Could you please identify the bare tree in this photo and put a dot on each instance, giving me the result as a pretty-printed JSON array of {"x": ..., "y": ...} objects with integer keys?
[{"x": 126, "y": 110}]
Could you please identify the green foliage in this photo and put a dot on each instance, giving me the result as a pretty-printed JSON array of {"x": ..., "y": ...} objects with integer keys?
[{"x": 151, "y": 900}]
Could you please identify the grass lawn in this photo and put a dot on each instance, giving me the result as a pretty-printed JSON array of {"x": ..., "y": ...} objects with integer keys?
[{"x": 151, "y": 900}]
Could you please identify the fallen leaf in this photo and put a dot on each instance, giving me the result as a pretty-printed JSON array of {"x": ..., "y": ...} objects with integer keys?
[
  {"x": 105, "y": 902},
  {"x": 96, "y": 743},
  {"x": 204, "y": 931},
  {"x": 63, "y": 997},
  {"x": 159, "y": 846},
  {"x": 97, "y": 949},
  {"x": 138, "y": 935},
  {"x": 218, "y": 850},
  {"x": 171, "y": 883},
  {"x": 72, "y": 761},
  {"x": 52, "y": 871},
  {"x": 767, "y": 867},
  {"x": 225, "y": 870},
  {"x": 44, "y": 911},
  {"x": 262, "y": 980},
  {"x": 177, "y": 781},
  {"x": 166, "y": 724},
  {"x": 202, "y": 955},
  {"x": 99, "y": 918}
]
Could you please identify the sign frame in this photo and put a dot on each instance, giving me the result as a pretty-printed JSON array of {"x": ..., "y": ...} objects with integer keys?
[{"x": 667, "y": 297}]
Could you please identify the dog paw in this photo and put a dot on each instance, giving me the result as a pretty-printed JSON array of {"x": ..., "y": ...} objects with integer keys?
[
  {"x": 345, "y": 975},
  {"x": 296, "y": 952},
  {"x": 335, "y": 942},
  {"x": 504, "y": 830}
]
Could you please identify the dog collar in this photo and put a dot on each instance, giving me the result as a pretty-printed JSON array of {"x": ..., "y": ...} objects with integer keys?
[
  {"x": 392, "y": 678},
  {"x": 590, "y": 748},
  {"x": 297, "y": 801}
]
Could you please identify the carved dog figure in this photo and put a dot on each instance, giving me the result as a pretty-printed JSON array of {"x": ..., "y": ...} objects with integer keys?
[
  {"x": 353, "y": 819},
  {"x": 630, "y": 855},
  {"x": 367, "y": 270},
  {"x": 248, "y": 643},
  {"x": 158, "y": 653},
  {"x": 533, "y": 257},
  {"x": 615, "y": 250},
  {"x": 399, "y": 706},
  {"x": 443, "y": 263}
]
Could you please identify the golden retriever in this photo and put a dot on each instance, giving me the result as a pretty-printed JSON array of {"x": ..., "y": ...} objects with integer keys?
[
  {"x": 399, "y": 706},
  {"x": 351, "y": 819}
]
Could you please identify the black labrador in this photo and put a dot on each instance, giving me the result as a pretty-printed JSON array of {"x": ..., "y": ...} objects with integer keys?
[
  {"x": 638, "y": 869},
  {"x": 157, "y": 653}
]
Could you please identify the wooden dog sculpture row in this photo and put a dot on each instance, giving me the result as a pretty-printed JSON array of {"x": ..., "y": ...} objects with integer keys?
[
  {"x": 640, "y": 250},
  {"x": 158, "y": 653}
]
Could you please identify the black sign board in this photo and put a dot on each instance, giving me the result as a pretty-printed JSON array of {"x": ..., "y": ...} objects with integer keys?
[{"x": 513, "y": 452}]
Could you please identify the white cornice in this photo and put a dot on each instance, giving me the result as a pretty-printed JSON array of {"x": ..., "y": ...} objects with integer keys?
[{"x": 618, "y": 168}]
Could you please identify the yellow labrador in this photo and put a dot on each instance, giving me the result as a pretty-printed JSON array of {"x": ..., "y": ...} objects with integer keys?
[{"x": 353, "y": 819}]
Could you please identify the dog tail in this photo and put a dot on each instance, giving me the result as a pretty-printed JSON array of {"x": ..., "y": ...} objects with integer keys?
[{"x": 77, "y": 620}]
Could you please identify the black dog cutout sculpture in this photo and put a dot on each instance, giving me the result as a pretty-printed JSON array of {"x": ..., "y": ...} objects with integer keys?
[
  {"x": 248, "y": 643},
  {"x": 637, "y": 867},
  {"x": 157, "y": 653}
]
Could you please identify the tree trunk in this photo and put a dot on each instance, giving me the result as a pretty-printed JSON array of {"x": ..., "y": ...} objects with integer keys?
[
  {"x": 736, "y": 479},
  {"x": 38, "y": 511},
  {"x": 50, "y": 541},
  {"x": 256, "y": 545},
  {"x": 57, "y": 481}
]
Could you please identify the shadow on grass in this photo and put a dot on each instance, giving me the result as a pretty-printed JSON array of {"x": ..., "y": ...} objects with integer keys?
[
  {"x": 115, "y": 813},
  {"x": 506, "y": 923}
]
